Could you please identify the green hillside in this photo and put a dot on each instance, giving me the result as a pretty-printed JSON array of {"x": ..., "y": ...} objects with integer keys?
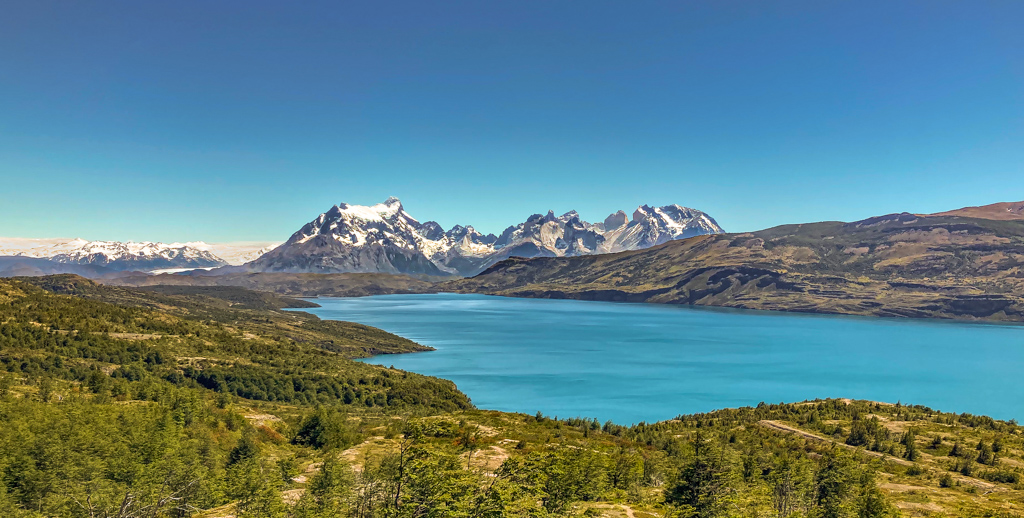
[{"x": 119, "y": 402}]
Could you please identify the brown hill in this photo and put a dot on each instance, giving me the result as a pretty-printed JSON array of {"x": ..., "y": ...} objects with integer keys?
[
  {"x": 291, "y": 284},
  {"x": 998, "y": 211},
  {"x": 895, "y": 265}
]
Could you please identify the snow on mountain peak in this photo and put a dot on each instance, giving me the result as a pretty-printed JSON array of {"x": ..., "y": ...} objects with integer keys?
[
  {"x": 385, "y": 238},
  {"x": 130, "y": 255}
]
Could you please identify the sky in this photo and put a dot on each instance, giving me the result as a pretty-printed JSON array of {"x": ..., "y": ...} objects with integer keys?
[{"x": 242, "y": 120}]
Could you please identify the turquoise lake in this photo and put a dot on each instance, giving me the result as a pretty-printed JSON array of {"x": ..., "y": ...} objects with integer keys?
[{"x": 645, "y": 362}]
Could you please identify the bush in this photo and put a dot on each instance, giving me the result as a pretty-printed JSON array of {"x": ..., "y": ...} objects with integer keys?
[{"x": 1002, "y": 476}]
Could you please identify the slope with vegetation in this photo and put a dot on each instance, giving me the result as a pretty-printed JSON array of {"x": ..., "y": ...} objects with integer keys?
[
  {"x": 179, "y": 401},
  {"x": 896, "y": 265}
]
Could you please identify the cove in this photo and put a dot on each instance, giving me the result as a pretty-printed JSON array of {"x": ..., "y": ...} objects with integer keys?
[{"x": 646, "y": 362}]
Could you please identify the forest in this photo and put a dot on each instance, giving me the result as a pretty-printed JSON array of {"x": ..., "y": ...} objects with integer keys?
[{"x": 214, "y": 402}]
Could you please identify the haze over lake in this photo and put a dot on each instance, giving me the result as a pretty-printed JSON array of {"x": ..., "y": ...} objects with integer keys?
[{"x": 646, "y": 362}]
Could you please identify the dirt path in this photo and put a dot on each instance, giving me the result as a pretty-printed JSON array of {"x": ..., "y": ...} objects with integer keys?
[
  {"x": 775, "y": 425},
  {"x": 808, "y": 435}
]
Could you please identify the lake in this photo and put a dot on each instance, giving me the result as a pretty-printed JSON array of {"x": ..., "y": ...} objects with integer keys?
[{"x": 646, "y": 362}]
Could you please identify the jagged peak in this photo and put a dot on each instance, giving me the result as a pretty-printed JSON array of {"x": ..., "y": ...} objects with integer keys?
[
  {"x": 462, "y": 248},
  {"x": 617, "y": 219}
]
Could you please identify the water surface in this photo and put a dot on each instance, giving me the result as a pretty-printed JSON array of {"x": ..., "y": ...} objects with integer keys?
[{"x": 648, "y": 362}]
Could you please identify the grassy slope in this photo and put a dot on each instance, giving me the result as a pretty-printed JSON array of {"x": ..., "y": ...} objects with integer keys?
[{"x": 898, "y": 265}]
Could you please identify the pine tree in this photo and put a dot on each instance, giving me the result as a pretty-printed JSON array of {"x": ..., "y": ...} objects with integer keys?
[{"x": 910, "y": 446}]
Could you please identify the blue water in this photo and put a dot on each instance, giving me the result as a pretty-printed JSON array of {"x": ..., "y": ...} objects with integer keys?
[{"x": 646, "y": 362}]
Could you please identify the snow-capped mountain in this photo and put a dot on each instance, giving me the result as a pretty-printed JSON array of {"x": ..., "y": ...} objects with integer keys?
[
  {"x": 385, "y": 238},
  {"x": 139, "y": 256},
  {"x": 144, "y": 256},
  {"x": 354, "y": 238},
  {"x": 113, "y": 255}
]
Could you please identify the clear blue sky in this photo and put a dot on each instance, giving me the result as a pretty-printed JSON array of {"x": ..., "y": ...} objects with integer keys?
[{"x": 221, "y": 120}]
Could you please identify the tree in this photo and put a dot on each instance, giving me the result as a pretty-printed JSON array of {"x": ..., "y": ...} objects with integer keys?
[
  {"x": 329, "y": 492},
  {"x": 871, "y": 503},
  {"x": 326, "y": 429},
  {"x": 957, "y": 450},
  {"x": 705, "y": 484},
  {"x": 859, "y": 434},
  {"x": 791, "y": 485},
  {"x": 833, "y": 485},
  {"x": 985, "y": 454},
  {"x": 469, "y": 440},
  {"x": 257, "y": 489},
  {"x": 245, "y": 450},
  {"x": 910, "y": 446},
  {"x": 627, "y": 469}
]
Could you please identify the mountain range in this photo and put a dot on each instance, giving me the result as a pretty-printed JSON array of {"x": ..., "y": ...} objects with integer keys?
[
  {"x": 943, "y": 265},
  {"x": 384, "y": 238},
  {"x": 25, "y": 256}
]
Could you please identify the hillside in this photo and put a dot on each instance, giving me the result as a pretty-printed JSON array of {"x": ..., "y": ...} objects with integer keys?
[
  {"x": 895, "y": 265},
  {"x": 212, "y": 402},
  {"x": 998, "y": 211},
  {"x": 291, "y": 284}
]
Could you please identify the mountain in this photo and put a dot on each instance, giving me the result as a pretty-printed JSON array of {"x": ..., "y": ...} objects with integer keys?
[
  {"x": 895, "y": 265},
  {"x": 138, "y": 256},
  {"x": 121, "y": 256},
  {"x": 20, "y": 266},
  {"x": 997, "y": 211},
  {"x": 384, "y": 238},
  {"x": 178, "y": 255}
]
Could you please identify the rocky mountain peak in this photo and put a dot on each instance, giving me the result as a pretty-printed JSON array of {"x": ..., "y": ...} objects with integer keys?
[
  {"x": 385, "y": 238},
  {"x": 616, "y": 220}
]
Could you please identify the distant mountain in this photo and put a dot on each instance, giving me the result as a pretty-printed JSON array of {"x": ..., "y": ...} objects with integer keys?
[
  {"x": 20, "y": 266},
  {"x": 999, "y": 211},
  {"x": 139, "y": 256},
  {"x": 113, "y": 255},
  {"x": 384, "y": 238},
  {"x": 895, "y": 265}
]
